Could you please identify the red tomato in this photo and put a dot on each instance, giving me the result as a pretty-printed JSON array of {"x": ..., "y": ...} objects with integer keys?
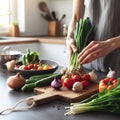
[
  {"x": 87, "y": 77},
  {"x": 68, "y": 82},
  {"x": 85, "y": 84},
  {"x": 76, "y": 78}
]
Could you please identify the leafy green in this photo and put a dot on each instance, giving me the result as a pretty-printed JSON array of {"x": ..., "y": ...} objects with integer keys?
[{"x": 82, "y": 35}]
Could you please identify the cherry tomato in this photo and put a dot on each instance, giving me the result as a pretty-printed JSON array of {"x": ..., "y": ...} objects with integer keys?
[
  {"x": 68, "y": 82},
  {"x": 85, "y": 84},
  {"x": 30, "y": 66},
  {"x": 63, "y": 78},
  {"x": 26, "y": 67},
  {"x": 76, "y": 78},
  {"x": 108, "y": 83},
  {"x": 87, "y": 77},
  {"x": 40, "y": 68},
  {"x": 35, "y": 66}
]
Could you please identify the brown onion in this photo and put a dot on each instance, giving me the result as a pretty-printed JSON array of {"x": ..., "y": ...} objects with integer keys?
[{"x": 16, "y": 81}]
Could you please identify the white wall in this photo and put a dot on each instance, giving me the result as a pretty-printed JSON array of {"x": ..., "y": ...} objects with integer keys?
[{"x": 35, "y": 24}]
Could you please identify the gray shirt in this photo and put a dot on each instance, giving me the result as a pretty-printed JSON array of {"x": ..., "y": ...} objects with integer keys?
[{"x": 105, "y": 15}]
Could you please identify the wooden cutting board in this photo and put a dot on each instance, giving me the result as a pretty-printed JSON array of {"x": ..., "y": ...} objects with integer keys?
[{"x": 47, "y": 94}]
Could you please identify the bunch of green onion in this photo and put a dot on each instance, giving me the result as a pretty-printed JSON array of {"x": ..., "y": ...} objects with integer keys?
[
  {"x": 106, "y": 101},
  {"x": 82, "y": 35}
]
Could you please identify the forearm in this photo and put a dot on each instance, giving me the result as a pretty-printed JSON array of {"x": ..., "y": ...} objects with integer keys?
[
  {"x": 115, "y": 42},
  {"x": 77, "y": 13}
]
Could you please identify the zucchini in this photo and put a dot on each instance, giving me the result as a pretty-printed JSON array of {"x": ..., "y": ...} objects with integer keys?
[{"x": 35, "y": 78}]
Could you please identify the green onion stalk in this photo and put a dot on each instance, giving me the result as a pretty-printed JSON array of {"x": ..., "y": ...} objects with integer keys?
[
  {"x": 106, "y": 101},
  {"x": 83, "y": 33}
]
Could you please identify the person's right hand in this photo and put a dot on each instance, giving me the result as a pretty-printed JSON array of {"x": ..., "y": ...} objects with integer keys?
[{"x": 70, "y": 42}]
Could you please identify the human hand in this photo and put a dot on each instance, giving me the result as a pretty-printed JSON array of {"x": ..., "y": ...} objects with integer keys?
[
  {"x": 95, "y": 50},
  {"x": 70, "y": 42}
]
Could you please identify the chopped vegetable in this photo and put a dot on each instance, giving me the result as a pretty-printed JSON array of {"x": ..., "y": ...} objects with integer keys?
[{"x": 106, "y": 101}]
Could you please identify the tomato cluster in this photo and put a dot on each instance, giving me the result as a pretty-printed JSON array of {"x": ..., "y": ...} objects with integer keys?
[
  {"x": 68, "y": 81},
  {"x": 34, "y": 67},
  {"x": 107, "y": 83}
]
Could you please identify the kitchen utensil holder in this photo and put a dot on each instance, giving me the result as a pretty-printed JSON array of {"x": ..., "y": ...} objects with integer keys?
[{"x": 54, "y": 28}]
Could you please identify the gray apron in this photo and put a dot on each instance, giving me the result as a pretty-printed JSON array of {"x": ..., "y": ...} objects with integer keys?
[{"x": 105, "y": 15}]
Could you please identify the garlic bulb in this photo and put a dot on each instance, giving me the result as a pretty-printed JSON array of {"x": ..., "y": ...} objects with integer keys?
[
  {"x": 10, "y": 65},
  {"x": 93, "y": 76},
  {"x": 111, "y": 73},
  {"x": 77, "y": 87}
]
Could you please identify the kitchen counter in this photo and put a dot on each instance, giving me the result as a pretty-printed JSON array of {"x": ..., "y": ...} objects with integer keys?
[
  {"x": 50, "y": 111},
  {"x": 43, "y": 39}
]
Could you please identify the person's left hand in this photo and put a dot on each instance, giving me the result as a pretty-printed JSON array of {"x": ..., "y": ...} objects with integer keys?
[{"x": 95, "y": 50}]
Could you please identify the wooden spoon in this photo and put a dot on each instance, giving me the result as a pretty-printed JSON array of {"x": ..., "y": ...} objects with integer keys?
[{"x": 43, "y": 6}]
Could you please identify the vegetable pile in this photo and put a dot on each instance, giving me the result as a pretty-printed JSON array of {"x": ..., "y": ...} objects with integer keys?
[
  {"x": 78, "y": 82},
  {"x": 107, "y": 100},
  {"x": 83, "y": 33}
]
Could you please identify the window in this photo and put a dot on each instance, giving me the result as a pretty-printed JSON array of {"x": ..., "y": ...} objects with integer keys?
[{"x": 7, "y": 13}]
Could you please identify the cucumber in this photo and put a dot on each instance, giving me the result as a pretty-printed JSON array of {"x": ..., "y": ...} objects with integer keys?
[
  {"x": 35, "y": 78},
  {"x": 41, "y": 82},
  {"x": 47, "y": 80},
  {"x": 28, "y": 87}
]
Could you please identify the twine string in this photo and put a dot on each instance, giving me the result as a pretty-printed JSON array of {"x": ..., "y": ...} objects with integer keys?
[{"x": 15, "y": 109}]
